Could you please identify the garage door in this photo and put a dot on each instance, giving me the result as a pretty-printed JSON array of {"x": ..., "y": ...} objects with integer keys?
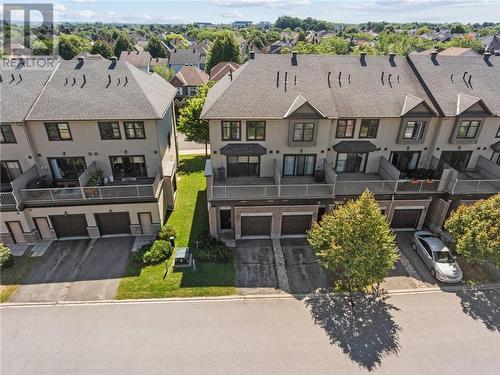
[
  {"x": 295, "y": 224},
  {"x": 70, "y": 225},
  {"x": 255, "y": 226},
  {"x": 406, "y": 219},
  {"x": 113, "y": 223}
]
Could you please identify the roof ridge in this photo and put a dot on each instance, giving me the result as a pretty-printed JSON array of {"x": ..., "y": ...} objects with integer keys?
[{"x": 58, "y": 63}]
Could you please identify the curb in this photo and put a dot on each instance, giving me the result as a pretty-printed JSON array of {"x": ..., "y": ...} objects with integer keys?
[{"x": 446, "y": 289}]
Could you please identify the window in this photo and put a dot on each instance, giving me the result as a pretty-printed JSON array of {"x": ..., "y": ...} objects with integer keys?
[
  {"x": 134, "y": 130},
  {"x": 345, "y": 128},
  {"x": 58, "y": 131},
  {"x": 351, "y": 162},
  {"x": 495, "y": 158},
  {"x": 10, "y": 171},
  {"x": 6, "y": 134},
  {"x": 109, "y": 130},
  {"x": 192, "y": 91},
  {"x": 67, "y": 168},
  {"x": 231, "y": 130},
  {"x": 243, "y": 165},
  {"x": 299, "y": 165},
  {"x": 303, "y": 132},
  {"x": 468, "y": 129},
  {"x": 368, "y": 129},
  {"x": 128, "y": 166},
  {"x": 256, "y": 130},
  {"x": 498, "y": 133},
  {"x": 414, "y": 130}
]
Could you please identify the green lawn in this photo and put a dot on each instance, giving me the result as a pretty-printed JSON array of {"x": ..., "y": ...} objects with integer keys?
[
  {"x": 11, "y": 277},
  {"x": 189, "y": 218}
]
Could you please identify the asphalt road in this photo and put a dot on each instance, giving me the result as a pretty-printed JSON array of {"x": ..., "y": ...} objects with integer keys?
[{"x": 432, "y": 333}]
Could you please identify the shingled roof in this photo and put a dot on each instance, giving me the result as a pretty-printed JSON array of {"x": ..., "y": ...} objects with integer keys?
[
  {"x": 447, "y": 78},
  {"x": 189, "y": 76},
  {"x": 337, "y": 86},
  {"x": 20, "y": 85},
  {"x": 100, "y": 89}
]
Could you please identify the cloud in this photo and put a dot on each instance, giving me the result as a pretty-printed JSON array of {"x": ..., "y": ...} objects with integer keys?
[
  {"x": 260, "y": 3},
  {"x": 232, "y": 14}
]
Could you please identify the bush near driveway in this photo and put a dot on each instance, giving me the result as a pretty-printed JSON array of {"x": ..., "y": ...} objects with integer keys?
[
  {"x": 210, "y": 249},
  {"x": 189, "y": 220},
  {"x": 6, "y": 258},
  {"x": 166, "y": 232},
  {"x": 155, "y": 253}
]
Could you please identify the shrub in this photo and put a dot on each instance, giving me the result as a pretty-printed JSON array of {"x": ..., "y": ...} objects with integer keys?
[
  {"x": 155, "y": 253},
  {"x": 6, "y": 258},
  {"x": 166, "y": 232},
  {"x": 212, "y": 250}
]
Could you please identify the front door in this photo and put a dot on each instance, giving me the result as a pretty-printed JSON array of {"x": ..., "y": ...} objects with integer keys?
[
  {"x": 299, "y": 165},
  {"x": 456, "y": 159},
  {"x": 16, "y": 230},
  {"x": 146, "y": 222},
  {"x": 43, "y": 227},
  {"x": 238, "y": 166}
]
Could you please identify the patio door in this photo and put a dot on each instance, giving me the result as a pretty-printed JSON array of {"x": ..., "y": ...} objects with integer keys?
[
  {"x": 238, "y": 166},
  {"x": 405, "y": 160},
  {"x": 299, "y": 165},
  {"x": 352, "y": 162},
  {"x": 456, "y": 159}
]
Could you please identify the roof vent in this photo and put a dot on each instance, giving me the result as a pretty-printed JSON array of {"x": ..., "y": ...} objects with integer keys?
[
  {"x": 252, "y": 55},
  {"x": 80, "y": 59},
  {"x": 362, "y": 58},
  {"x": 294, "y": 58},
  {"x": 114, "y": 59},
  {"x": 486, "y": 56},
  {"x": 231, "y": 74},
  {"x": 434, "y": 53}
]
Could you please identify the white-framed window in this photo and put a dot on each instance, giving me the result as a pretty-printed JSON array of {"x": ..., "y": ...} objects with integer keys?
[
  {"x": 414, "y": 130},
  {"x": 468, "y": 129}
]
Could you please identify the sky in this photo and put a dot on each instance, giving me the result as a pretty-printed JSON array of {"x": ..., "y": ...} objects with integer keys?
[{"x": 227, "y": 11}]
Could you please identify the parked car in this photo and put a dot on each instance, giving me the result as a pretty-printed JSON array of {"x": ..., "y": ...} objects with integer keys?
[{"x": 437, "y": 257}]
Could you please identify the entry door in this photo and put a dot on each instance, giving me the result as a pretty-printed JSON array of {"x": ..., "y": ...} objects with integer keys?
[
  {"x": 16, "y": 230},
  {"x": 351, "y": 162},
  {"x": 146, "y": 222},
  {"x": 43, "y": 227},
  {"x": 457, "y": 159}
]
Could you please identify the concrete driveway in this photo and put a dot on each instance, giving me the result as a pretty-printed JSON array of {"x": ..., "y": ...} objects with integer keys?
[
  {"x": 77, "y": 270},
  {"x": 305, "y": 275},
  {"x": 255, "y": 267}
]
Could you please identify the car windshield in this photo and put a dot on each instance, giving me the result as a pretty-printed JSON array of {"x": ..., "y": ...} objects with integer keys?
[{"x": 443, "y": 257}]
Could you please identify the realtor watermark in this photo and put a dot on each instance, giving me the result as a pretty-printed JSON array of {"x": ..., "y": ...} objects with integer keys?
[{"x": 29, "y": 35}]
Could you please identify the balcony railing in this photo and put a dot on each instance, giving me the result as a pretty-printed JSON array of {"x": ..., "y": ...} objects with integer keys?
[
  {"x": 476, "y": 186},
  {"x": 7, "y": 200},
  {"x": 272, "y": 191},
  {"x": 79, "y": 194}
]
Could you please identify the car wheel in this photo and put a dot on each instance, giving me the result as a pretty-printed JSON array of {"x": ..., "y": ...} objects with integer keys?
[{"x": 433, "y": 272}]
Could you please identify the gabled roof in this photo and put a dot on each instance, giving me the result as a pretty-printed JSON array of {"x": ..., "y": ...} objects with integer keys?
[
  {"x": 337, "y": 86},
  {"x": 102, "y": 90},
  {"x": 189, "y": 76},
  {"x": 298, "y": 103},
  {"x": 465, "y": 102},
  {"x": 448, "y": 76},
  {"x": 412, "y": 102},
  {"x": 136, "y": 58},
  {"x": 186, "y": 56},
  {"x": 221, "y": 69}
]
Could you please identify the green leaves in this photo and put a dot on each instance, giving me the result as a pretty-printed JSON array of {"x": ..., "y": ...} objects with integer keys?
[
  {"x": 355, "y": 242},
  {"x": 189, "y": 123},
  {"x": 225, "y": 47},
  {"x": 476, "y": 229}
]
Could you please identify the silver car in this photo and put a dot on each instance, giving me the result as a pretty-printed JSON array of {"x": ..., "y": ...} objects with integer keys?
[{"x": 437, "y": 257}]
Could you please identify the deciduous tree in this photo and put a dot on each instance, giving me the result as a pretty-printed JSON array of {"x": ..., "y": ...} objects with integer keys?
[
  {"x": 123, "y": 43},
  {"x": 155, "y": 47},
  {"x": 476, "y": 230},
  {"x": 355, "y": 243},
  {"x": 102, "y": 48},
  {"x": 225, "y": 47}
]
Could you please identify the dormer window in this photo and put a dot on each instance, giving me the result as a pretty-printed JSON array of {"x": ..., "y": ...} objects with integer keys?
[{"x": 468, "y": 129}]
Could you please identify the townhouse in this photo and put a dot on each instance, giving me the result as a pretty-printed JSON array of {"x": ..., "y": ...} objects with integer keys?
[
  {"x": 88, "y": 149},
  {"x": 292, "y": 136}
]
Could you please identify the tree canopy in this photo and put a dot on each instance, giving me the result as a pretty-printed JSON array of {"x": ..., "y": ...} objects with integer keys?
[
  {"x": 225, "y": 47},
  {"x": 164, "y": 71},
  {"x": 156, "y": 48},
  {"x": 476, "y": 230},
  {"x": 102, "y": 48},
  {"x": 355, "y": 243},
  {"x": 123, "y": 43},
  {"x": 71, "y": 45},
  {"x": 328, "y": 45},
  {"x": 190, "y": 124}
]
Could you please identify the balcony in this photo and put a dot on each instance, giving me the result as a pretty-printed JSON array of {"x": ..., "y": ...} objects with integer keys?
[
  {"x": 7, "y": 200},
  {"x": 140, "y": 189},
  {"x": 483, "y": 178}
]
